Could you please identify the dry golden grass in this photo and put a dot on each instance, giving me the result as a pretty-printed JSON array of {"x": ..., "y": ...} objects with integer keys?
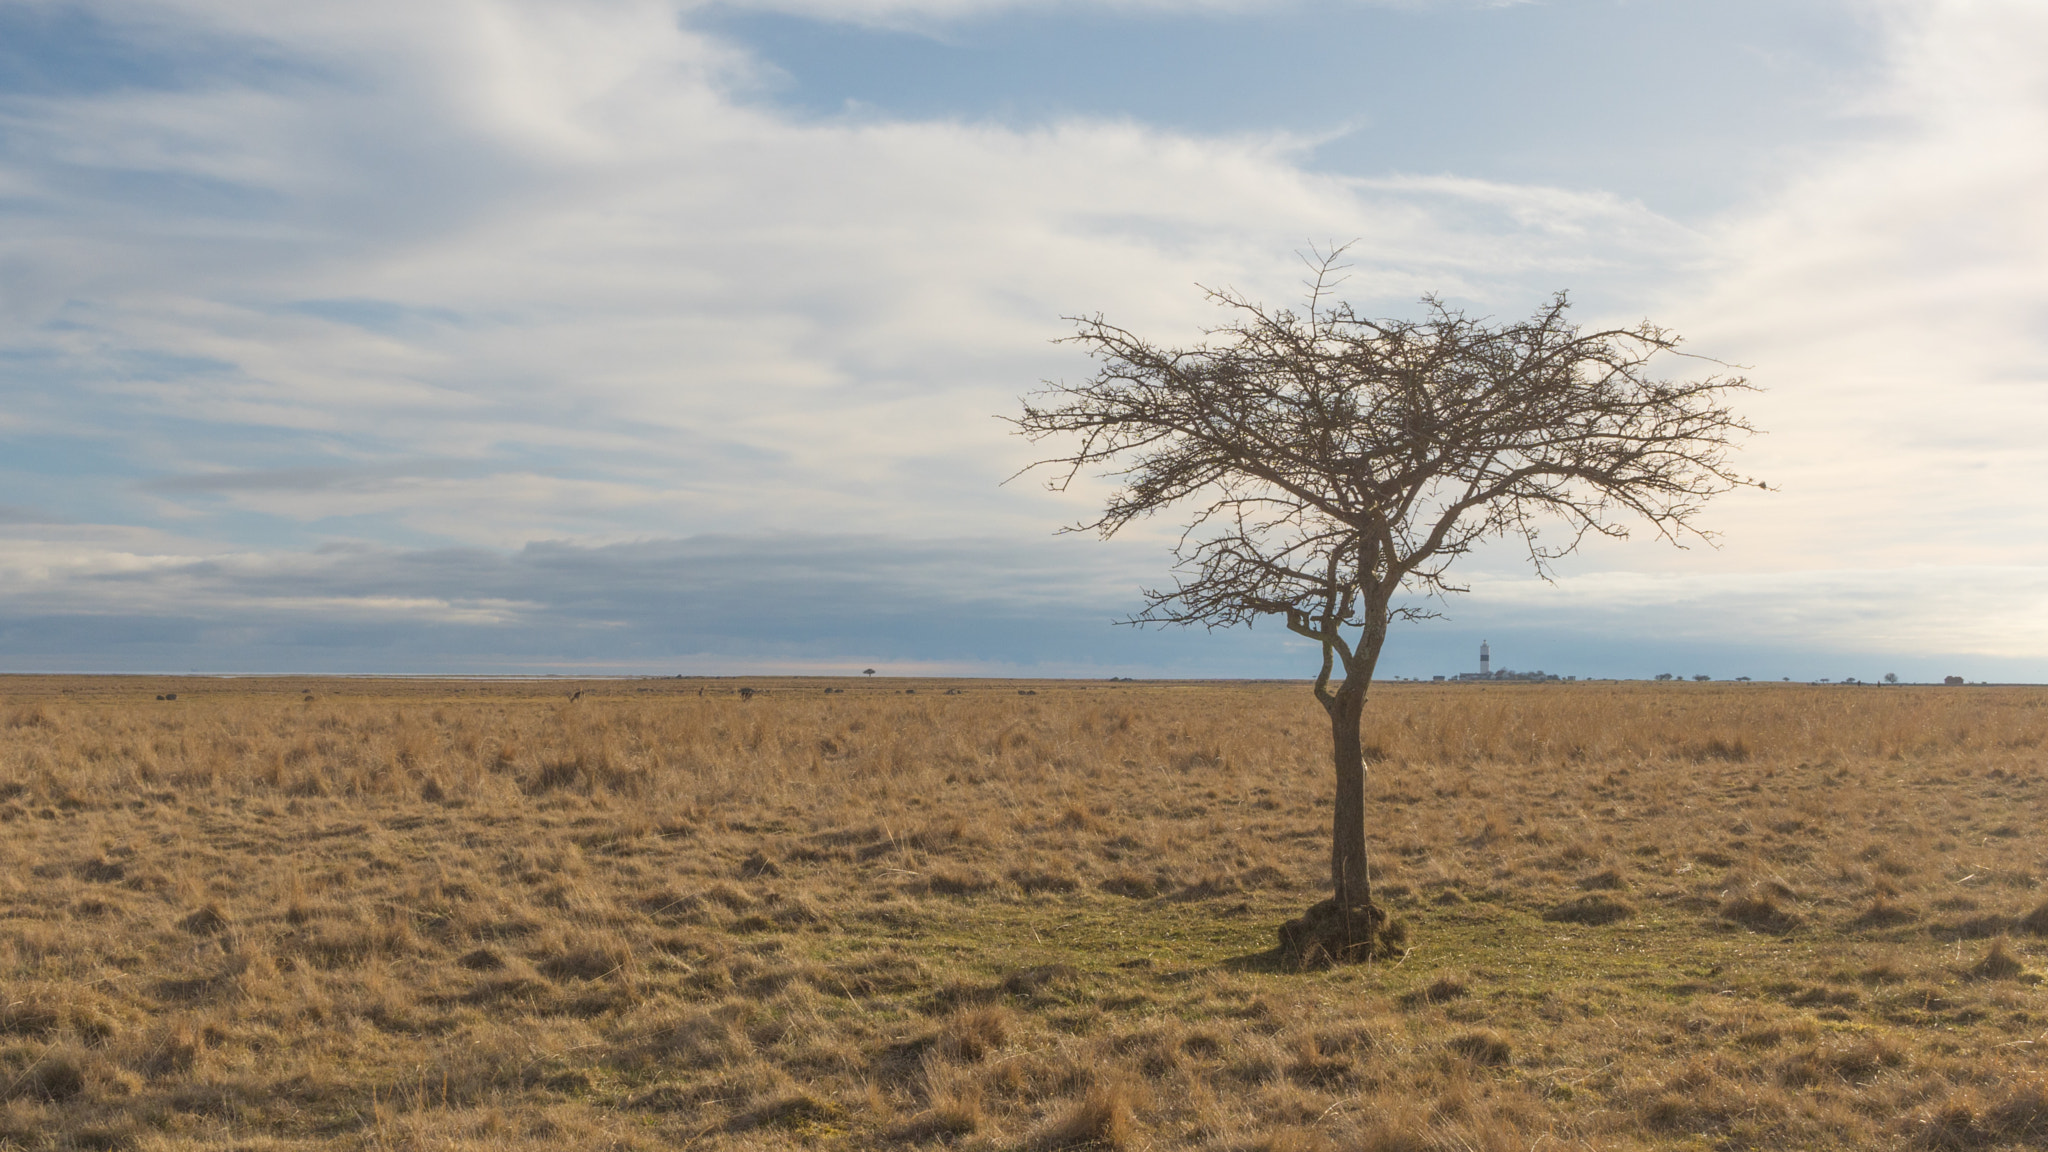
[{"x": 405, "y": 914}]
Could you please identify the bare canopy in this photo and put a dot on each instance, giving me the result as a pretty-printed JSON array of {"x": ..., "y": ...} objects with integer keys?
[{"x": 1333, "y": 467}]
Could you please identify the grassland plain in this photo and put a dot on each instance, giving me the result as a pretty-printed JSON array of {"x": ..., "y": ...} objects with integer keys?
[{"x": 277, "y": 914}]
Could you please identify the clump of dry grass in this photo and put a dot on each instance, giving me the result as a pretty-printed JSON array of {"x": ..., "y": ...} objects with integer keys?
[
  {"x": 1762, "y": 909},
  {"x": 1484, "y": 1047},
  {"x": 1998, "y": 963},
  {"x": 2035, "y": 922},
  {"x": 1438, "y": 991},
  {"x": 955, "y": 1111},
  {"x": 495, "y": 916},
  {"x": 1104, "y": 1118},
  {"x": 1595, "y": 908},
  {"x": 1885, "y": 912}
]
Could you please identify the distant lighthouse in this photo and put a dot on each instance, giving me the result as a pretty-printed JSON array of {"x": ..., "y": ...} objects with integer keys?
[{"x": 1485, "y": 659}]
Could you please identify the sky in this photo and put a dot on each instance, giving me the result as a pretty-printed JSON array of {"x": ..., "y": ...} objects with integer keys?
[{"x": 637, "y": 337}]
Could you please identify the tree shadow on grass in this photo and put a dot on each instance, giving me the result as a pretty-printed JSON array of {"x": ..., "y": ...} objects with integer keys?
[
  {"x": 1275, "y": 962},
  {"x": 1271, "y": 962}
]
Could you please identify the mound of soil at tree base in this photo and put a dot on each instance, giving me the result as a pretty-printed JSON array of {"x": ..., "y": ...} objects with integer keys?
[{"x": 1327, "y": 934}]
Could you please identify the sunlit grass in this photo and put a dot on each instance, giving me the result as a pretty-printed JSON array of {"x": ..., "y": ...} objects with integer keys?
[{"x": 449, "y": 915}]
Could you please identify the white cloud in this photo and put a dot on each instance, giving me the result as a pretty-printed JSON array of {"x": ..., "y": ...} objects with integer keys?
[
  {"x": 1892, "y": 300},
  {"x": 100, "y": 597},
  {"x": 577, "y": 247},
  {"x": 1986, "y": 611},
  {"x": 938, "y": 13},
  {"x": 492, "y": 271}
]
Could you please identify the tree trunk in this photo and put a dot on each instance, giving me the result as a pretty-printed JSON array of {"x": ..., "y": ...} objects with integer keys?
[
  {"x": 1348, "y": 926},
  {"x": 1351, "y": 883}
]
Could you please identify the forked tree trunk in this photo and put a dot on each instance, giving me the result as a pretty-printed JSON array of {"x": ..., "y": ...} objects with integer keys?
[
  {"x": 1351, "y": 883},
  {"x": 1348, "y": 926}
]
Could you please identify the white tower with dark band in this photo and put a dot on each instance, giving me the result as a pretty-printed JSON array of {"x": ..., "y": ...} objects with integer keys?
[{"x": 1485, "y": 659}]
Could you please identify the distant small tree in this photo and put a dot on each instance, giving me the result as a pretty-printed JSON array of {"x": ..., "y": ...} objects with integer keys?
[
  {"x": 1891, "y": 677},
  {"x": 1702, "y": 678},
  {"x": 867, "y": 671},
  {"x": 1333, "y": 464},
  {"x": 1666, "y": 676}
]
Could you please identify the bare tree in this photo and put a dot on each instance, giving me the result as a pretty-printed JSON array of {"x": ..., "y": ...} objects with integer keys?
[{"x": 1333, "y": 467}]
